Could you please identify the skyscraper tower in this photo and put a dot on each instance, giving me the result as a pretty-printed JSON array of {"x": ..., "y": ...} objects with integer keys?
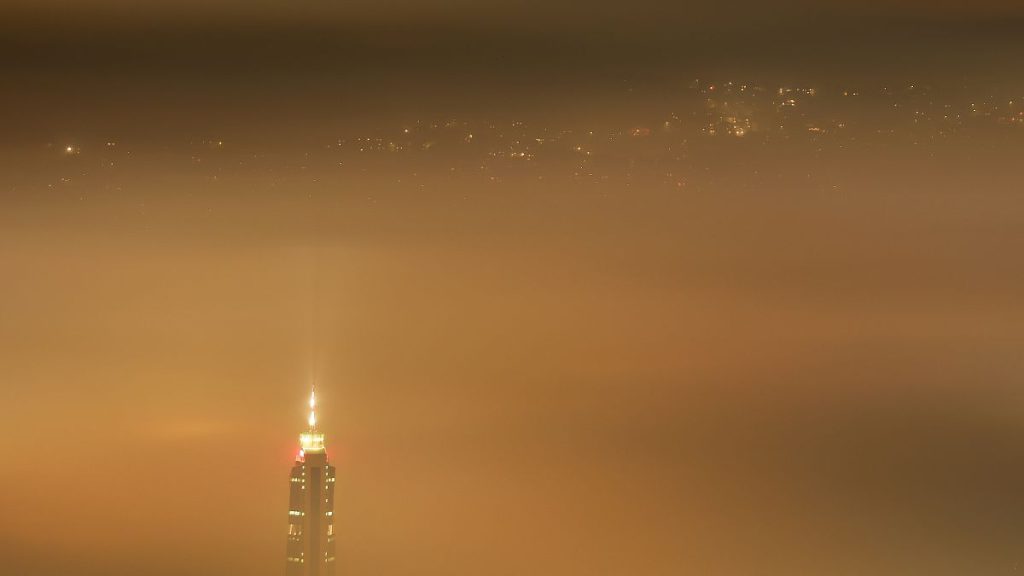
[{"x": 311, "y": 506}]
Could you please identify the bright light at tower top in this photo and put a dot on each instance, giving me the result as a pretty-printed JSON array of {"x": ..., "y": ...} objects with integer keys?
[
  {"x": 312, "y": 408},
  {"x": 312, "y": 441}
]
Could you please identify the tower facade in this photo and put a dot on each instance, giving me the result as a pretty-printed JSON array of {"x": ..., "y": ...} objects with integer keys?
[{"x": 311, "y": 506}]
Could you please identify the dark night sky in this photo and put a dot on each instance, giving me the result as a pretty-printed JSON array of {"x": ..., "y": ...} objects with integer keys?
[{"x": 194, "y": 67}]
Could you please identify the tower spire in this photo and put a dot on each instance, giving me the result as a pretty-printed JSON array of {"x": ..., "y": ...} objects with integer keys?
[
  {"x": 312, "y": 408},
  {"x": 312, "y": 440},
  {"x": 311, "y": 505}
]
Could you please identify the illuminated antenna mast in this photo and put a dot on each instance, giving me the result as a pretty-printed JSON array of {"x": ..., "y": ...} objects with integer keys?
[
  {"x": 312, "y": 409},
  {"x": 312, "y": 441}
]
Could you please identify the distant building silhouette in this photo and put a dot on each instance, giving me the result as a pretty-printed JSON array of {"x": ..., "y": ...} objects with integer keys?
[{"x": 311, "y": 506}]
